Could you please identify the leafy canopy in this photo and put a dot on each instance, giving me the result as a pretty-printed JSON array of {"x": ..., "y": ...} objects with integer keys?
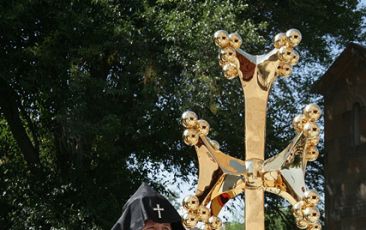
[{"x": 92, "y": 90}]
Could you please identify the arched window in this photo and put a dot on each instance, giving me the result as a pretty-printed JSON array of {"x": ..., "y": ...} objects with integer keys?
[{"x": 356, "y": 124}]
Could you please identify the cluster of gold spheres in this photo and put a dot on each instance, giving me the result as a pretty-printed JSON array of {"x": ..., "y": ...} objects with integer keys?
[
  {"x": 306, "y": 123},
  {"x": 195, "y": 128},
  {"x": 284, "y": 43},
  {"x": 228, "y": 59},
  {"x": 195, "y": 213},
  {"x": 305, "y": 212}
]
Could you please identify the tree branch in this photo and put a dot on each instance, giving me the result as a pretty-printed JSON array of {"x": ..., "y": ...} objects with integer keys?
[
  {"x": 9, "y": 108},
  {"x": 63, "y": 155},
  {"x": 31, "y": 126}
]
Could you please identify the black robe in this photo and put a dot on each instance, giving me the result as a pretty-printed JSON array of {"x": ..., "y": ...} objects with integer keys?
[{"x": 147, "y": 204}]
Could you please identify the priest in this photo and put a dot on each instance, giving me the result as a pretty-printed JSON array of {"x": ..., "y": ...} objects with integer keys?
[{"x": 148, "y": 210}]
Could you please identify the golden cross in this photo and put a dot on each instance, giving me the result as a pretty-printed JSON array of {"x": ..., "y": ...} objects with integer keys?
[{"x": 222, "y": 177}]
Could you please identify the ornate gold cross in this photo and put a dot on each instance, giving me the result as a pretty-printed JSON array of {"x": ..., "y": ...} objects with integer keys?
[{"x": 222, "y": 177}]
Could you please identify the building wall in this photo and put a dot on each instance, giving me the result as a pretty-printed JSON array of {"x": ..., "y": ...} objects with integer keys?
[{"x": 345, "y": 150}]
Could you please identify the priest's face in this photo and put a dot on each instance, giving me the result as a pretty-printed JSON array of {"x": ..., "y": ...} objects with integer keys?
[{"x": 151, "y": 225}]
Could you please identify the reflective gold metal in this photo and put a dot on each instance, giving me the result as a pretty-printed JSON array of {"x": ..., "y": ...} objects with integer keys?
[
  {"x": 221, "y": 38},
  {"x": 311, "y": 214},
  {"x": 301, "y": 223},
  {"x": 190, "y": 136},
  {"x": 253, "y": 173},
  {"x": 222, "y": 177},
  {"x": 191, "y": 203},
  {"x": 203, "y": 214},
  {"x": 312, "y": 112},
  {"x": 299, "y": 122},
  {"x": 189, "y": 119},
  {"x": 315, "y": 226},
  {"x": 215, "y": 222},
  {"x": 311, "y": 197},
  {"x": 190, "y": 220},
  {"x": 203, "y": 127}
]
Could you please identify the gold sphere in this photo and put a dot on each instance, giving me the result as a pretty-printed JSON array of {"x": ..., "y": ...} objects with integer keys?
[
  {"x": 190, "y": 220},
  {"x": 294, "y": 37},
  {"x": 189, "y": 119},
  {"x": 311, "y": 214},
  {"x": 285, "y": 54},
  {"x": 203, "y": 214},
  {"x": 204, "y": 127},
  {"x": 299, "y": 122},
  {"x": 301, "y": 223},
  {"x": 190, "y": 137},
  {"x": 279, "y": 40},
  {"x": 311, "y": 153},
  {"x": 215, "y": 222},
  {"x": 312, "y": 112},
  {"x": 235, "y": 40},
  {"x": 313, "y": 141},
  {"x": 284, "y": 69},
  {"x": 230, "y": 71},
  {"x": 228, "y": 54},
  {"x": 191, "y": 203},
  {"x": 215, "y": 144},
  {"x": 311, "y": 197},
  {"x": 315, "y": 226},
  {"x": 222, "y": 62},
  {"x": 298, "y": 208},
  {"x": 221, "y": 39},
  {"x": 295, "y": 58},
  {"x": 311, "y": 130}
]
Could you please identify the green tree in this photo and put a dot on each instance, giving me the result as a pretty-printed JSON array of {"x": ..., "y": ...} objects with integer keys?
[{"x": 92, "y": 90}]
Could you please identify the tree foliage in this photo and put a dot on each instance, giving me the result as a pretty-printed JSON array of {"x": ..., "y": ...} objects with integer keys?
[{"x": 92, "y": 90}]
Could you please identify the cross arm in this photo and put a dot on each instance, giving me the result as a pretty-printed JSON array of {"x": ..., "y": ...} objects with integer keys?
[{"x": 284, "y": 173}]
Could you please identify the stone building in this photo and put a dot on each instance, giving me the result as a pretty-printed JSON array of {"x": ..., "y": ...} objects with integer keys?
[{"x": 344, "y": 89}]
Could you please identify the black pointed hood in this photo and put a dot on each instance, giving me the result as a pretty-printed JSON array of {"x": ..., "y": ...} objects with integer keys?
[{"x": 147, "y": 204}]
